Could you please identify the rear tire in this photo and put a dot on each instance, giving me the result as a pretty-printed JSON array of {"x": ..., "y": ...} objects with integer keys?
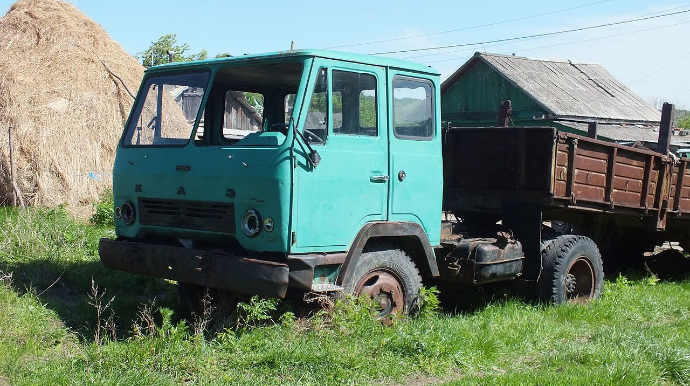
[
  {"x": 572, "y": 270},
  {"x": 387, "y": 275}
]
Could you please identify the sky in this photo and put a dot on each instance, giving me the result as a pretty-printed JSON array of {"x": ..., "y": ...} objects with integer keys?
[{"x": 651, "y": 56}]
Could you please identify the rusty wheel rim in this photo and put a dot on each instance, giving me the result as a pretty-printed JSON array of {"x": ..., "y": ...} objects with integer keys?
[
  {"x": 579, "y": 281},
  {"x": 385, "y": 289}
]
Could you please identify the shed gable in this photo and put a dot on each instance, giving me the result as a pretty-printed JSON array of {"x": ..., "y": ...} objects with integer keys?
[{"x": 480, "y": 90}]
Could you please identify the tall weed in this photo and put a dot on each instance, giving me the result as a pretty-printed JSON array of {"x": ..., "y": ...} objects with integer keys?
[
  {"x": 258, "y": 311},
  {"x": 103, "y": 211},
  {"x": 429, "y": 303}
]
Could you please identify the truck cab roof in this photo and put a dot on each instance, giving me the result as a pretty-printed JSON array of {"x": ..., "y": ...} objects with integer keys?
[{"x": 283, "y": 55}]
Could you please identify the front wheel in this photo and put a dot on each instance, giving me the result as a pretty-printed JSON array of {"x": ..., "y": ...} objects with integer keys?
[
  {"x": 388, "y": 276},
  {"x": 572, "y": 270}
]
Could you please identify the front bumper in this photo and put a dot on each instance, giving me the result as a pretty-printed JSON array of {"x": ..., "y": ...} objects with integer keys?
[{"x": 213, "y": 269}]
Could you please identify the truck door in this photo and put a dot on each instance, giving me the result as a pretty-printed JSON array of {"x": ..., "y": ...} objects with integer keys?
[
  {"x": 345, "y": 123},
  {"x": 416, "y": 166}
]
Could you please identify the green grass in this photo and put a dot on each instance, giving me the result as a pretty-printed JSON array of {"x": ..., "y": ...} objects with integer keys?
[{"x": 638, "y": 333}]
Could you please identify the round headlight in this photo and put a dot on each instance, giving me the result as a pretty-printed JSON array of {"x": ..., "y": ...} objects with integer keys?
[
  {"x": 251, "y": 223},
  {"x": 118, "y": 212},
  {"x": 128, "y": 213},
  {"x": 268, "y": 224}
]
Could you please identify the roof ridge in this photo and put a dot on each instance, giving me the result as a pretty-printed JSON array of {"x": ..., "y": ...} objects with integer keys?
[{"x": 513, "y": 56}]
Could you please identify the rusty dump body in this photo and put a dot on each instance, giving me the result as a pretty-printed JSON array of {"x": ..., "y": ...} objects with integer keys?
[{"x": 571, "y": 176}]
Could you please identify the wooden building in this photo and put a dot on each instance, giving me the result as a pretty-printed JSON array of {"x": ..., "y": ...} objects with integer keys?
[{"x": 564, "y": 94}]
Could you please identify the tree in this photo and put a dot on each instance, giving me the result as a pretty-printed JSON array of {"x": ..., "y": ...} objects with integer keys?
[
  {"x": 682, "y": 119},
  {"x": 684, "y": 122},
  {"x": 157, "y": 53}
]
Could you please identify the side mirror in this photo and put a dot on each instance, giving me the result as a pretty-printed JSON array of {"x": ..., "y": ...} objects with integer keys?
[{"x": 314, "y": 157}]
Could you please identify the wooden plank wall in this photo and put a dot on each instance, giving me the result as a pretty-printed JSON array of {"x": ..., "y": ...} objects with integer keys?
[
  {"x": 680, "y": 190},
  {"x": 603, "y": 173}
]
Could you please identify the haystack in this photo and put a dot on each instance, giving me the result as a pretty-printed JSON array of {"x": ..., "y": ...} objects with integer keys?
[{"x": 65, "y": 90}]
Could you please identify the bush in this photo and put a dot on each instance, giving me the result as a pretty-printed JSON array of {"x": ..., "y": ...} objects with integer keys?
[
  {"x": 429, "y": 303},
  {"x": 104, "y": 215},
  {"x": 255, "y": 313}
]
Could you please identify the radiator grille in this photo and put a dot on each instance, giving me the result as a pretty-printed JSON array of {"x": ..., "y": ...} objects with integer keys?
[{"x": 203, "y": 216}]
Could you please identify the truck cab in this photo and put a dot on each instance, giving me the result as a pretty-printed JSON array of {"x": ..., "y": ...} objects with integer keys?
[{"x": 315, "y": 170}]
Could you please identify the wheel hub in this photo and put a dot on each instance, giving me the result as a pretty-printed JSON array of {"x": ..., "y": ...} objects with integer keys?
[
  {"x": 580, "y": 281},
  {"x": 386, "y": 291}
]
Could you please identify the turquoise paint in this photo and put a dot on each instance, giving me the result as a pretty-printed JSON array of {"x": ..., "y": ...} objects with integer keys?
[
  {"x": 263, "y": 184},
  {"x": 336, "y": 198},
  {"x": 300, "y": 54},
  {"x": 324, "y": 207},
  {"x": 262, "y": 139},
  {"x": 326, "y": 274},
  {"x": 258, "y": 169},
  {"x": 417, "y": 197}
]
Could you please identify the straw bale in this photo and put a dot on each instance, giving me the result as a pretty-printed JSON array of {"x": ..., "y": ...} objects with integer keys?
[
  {"x": 173, "y": 124},
  {"x": 64, "y": 88}
]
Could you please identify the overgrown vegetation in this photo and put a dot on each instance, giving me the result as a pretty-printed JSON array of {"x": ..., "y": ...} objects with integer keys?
[
  {"x": 57, "y": 327},
  {"x": 157, "y": 53},
  {"x": 683, "y": 119},
  {"x": 103, "y": 211}
]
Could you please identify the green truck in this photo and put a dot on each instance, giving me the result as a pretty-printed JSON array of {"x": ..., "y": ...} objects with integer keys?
[{"x": 317, "y": 171}]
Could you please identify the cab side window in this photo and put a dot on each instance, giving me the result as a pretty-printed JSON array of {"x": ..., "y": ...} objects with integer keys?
[
  {"x": 413, "y": 107},
  {"x": 354, "y": 104}
]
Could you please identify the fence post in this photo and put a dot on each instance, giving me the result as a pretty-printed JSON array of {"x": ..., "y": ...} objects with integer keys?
[
  {"x": 668, "y": 114},
  {"x": 16, "y": 193}
]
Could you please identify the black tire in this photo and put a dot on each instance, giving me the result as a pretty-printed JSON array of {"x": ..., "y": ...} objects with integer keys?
[
  {"x": 374, "y": 275},
  {"x": 572, "y": 270}
]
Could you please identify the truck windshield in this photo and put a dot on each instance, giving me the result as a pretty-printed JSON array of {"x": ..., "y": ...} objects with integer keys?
[{"x": 166, "y": 110}]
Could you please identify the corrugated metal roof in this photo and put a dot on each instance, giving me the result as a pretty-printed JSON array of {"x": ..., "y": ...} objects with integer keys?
[
  {"x": 629, "y": 133},
  {"x": 568, "y": 89}
]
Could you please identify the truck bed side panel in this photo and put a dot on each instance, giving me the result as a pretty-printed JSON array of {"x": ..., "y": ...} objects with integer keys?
[
  {"x": 486, "y": 167},
  {"x": 499, "y": 160}
]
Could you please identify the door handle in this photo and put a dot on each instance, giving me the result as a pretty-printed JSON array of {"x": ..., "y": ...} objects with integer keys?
[{"x": 379, "y": 179}]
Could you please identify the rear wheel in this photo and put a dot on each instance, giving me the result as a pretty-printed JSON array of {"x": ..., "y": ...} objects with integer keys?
[
  {"x": 388, "y": 276},
  {"x": 572, "y": 270}
]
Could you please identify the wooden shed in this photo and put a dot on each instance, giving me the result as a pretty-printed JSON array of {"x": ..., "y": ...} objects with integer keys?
[{"x": 563, "y": 94}]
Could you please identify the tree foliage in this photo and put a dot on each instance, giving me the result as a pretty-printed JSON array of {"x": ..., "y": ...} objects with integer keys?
[
  {"x": 683, "y": 119},
  {"x": 157, "y": 53},
  {"x": 684, "y": 123}
]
